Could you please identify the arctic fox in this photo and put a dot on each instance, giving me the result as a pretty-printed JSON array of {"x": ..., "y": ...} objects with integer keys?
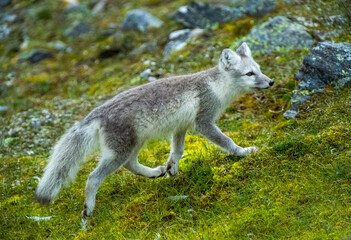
[{"x": 168, "y": 106}]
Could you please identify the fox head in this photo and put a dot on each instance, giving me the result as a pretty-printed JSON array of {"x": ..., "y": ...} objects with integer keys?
[{"x": 240, "y": 67}]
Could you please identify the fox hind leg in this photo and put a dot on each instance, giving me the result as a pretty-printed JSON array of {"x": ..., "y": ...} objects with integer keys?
[{"x": 109, "y": 163}]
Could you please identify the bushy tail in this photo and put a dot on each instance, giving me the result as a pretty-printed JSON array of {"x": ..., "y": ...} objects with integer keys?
[{"x": 64, "y": 162}]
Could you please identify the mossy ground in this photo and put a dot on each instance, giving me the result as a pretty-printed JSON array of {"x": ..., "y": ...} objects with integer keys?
[{"x": 297, "y": 186}]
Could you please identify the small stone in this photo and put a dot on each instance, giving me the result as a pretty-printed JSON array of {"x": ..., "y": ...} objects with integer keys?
[
  {"x": 180, "y": 197},
  {"x": 36, "y": 124},
  {"x": 146, "y": 74},
  {"x": 292, "y": 1},
  {"x": 3, "y": 108},
  {"x": 75, "y": 7},
  {"x": 78, "y": 30},
  {"x": 6, "y": 28},
  {"x": 71, "y": 4},
  {"x": 146, "y": 47},
  {"x": 178, "y": 40},
  {"x": 290, "y": 114},
  {"x": 35, "y": 55},
  {"x": 58, "y": 45},
  {"x": 140, "y": 20}
]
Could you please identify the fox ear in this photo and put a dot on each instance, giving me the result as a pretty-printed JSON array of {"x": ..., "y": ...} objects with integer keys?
[
  {"x": 244, "y": 50},
  {"x": 229, "y": 59}
]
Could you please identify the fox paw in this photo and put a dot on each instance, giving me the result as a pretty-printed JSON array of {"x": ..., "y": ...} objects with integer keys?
[
  {"x": 162, "y": 171},
  {"x": 250, "y": 150},
  {"x": 246, "y": 151},
  {"x": 86, "y": 214},
  {"x": 172, "y": 168}
]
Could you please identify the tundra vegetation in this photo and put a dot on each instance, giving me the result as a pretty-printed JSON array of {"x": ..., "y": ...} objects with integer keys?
[{"x": 297, "y": 186}]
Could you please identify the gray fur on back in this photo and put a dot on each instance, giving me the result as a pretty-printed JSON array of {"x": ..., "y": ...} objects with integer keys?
[{"x": 133, "y": 111}]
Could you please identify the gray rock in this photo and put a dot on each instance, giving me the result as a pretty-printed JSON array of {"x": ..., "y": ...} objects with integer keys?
[
  {"x": 290, "y": 114},
  {"x": 75, "y": 6},
  {"x": 146, "y": 47},
  {"x": 5, "y": 21},
  {"x": 3, "y": 108},
  {"x": 78, "y": 30},
  {"x": 35, "y": 55},
  {"x": 146, "y": 74},
  {"x": 151, "y": 79},
  {"x": 278, "y": 35},
  {"x": 140, "y": 20},
  {"x": 292, "y": 1},
  {"x": 58, "y": 45},
  {"x": 256, "y": 8},
  {"x": 328, "y": 64},
  {"x": 4, "y": 3},
  {"x": 178, "y": 197},
  {"x": 178, "y": 40},
  {"x": 77, "y": 12},
  {"x": 298, "y": 97},
  {"x": 36, "y": 124},
  {"x": 5, "y": 30},
  {"x": 203, "y": 15}
]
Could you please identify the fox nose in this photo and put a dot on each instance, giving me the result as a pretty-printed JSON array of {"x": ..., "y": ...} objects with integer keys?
[{"x": 271, "y": 83}]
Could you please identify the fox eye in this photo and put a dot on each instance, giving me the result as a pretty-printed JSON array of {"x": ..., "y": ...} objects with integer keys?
[{"x": 249, "y": 74}]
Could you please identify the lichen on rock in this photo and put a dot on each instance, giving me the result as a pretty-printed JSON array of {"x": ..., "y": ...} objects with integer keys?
[
  {"x": 279, "y": 34},
  {"x": 328, "y": 64}
]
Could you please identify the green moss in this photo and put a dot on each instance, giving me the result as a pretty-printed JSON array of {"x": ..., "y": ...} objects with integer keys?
[
  {"x": 285, "y": 124},
  {"x": 297, "y": 186}
]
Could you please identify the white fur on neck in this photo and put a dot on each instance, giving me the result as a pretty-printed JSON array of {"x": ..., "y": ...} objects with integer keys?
[{"x": 225, "y": 90}]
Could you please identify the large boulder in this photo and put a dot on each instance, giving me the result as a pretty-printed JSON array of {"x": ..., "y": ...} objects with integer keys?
[
  {"x": 202, "y": 15},
  {"x": 279, "y": 34},
  {"x": 328, "y": 64},
  {"x": 140, "y": 20}
]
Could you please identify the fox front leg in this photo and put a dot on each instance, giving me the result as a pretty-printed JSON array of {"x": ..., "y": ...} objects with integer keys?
[
  {"x": 214, "y": 134},
  {"x": 177, "y": 150}
]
